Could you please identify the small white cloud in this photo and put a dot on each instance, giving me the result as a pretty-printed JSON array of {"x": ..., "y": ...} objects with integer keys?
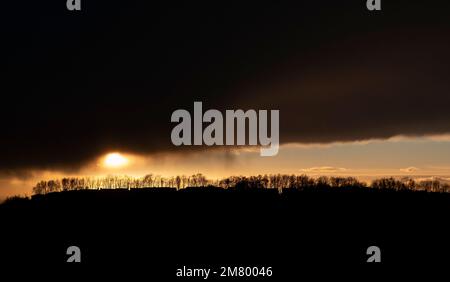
[
  {"x": 409, "y": 169},
  {"x": 323, "y": 169}
]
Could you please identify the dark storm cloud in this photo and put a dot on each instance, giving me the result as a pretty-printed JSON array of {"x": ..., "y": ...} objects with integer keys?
[{"x": 108, "y": 78}]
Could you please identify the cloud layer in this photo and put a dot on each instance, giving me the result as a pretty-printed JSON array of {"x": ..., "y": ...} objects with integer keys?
[{"x": 78, "y": 87}]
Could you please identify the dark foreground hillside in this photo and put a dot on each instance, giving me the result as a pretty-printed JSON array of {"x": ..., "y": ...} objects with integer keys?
[{"x": 155, "y": 231}]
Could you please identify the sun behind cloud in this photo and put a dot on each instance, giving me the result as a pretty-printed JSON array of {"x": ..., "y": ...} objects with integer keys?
[{"x": 115, "y": 160}]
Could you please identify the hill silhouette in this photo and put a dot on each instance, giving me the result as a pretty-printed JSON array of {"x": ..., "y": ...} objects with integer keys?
[{"x": 157, "y": 230}]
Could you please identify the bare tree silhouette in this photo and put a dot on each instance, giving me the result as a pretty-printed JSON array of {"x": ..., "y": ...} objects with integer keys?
[{"x": 271, "y": 181}]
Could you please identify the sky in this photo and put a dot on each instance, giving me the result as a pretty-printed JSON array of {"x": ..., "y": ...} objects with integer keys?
[{"x": 359, "y": 93}]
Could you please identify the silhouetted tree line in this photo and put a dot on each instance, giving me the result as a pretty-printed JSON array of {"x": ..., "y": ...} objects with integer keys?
[
  {"x": 408, "y": 183},
  {"x": 271, "y": 181}
]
